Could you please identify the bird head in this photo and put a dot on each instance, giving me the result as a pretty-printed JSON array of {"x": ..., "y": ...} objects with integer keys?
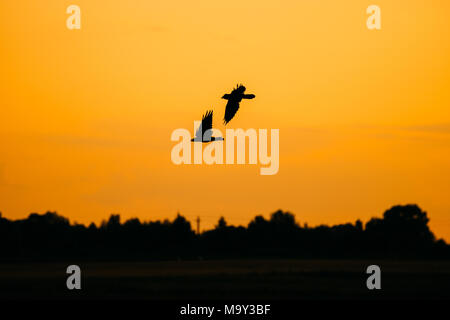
[{"x": 240, "y": 88}]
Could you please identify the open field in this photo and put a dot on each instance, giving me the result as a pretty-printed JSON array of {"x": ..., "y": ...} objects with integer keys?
[{"x": 228, "y": 279}]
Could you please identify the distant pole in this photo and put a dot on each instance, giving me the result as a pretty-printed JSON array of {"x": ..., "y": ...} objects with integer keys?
[{"x": 198, "y": 225}]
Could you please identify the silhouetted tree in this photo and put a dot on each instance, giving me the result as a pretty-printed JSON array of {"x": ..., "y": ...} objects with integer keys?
[
  {"x": 402, "y": 232},
  {"x": 402, "y": 229},
  {"x": 221, "y": 224},
  {"x": 283, "y": 219}
]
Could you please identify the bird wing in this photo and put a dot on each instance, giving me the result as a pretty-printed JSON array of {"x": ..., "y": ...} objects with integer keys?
[
  {"x": 230, "y": 110},
  {"x": 205, "y": 126}
]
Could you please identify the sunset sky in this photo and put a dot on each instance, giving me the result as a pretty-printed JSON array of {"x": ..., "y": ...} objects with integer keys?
[{"x": 86, "y": 115}]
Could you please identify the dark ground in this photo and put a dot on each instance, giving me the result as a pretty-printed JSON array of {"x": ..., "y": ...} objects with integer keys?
[{"x": 228, "y": 279}]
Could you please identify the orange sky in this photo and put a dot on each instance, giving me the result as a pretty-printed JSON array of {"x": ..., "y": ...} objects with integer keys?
[{"x": 86, "y": 115}]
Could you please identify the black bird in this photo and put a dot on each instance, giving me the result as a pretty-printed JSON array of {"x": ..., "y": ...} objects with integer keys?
[
  {"x": 204, "y": 132},
  {"x": 234, "y": 98}
]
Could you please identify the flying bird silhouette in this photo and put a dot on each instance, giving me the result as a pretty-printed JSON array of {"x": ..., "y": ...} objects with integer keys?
[
  {"x": 234, "y": 98},
  {"x": 204, "y": 131}
]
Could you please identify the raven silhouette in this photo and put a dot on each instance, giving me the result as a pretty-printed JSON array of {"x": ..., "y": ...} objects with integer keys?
[
  {"x": 234, "y": 98},
  {"x": 204, "y": 131}
]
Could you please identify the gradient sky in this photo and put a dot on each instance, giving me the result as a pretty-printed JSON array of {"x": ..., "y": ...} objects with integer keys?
[{"x": 86, "y": 115}]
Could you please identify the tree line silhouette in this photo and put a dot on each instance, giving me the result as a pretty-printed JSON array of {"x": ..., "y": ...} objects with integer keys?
[{"x": 402, "y": 232}]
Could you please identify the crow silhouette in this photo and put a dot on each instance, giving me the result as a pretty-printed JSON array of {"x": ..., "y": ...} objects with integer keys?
[
  {"x": 234, "y": 98},
  {"x": 204, "y": 131}
]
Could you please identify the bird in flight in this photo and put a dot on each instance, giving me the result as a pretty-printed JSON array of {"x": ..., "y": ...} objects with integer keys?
[
  {"x": 204, "y": 131},
  {"x": 234, "y": 98}
]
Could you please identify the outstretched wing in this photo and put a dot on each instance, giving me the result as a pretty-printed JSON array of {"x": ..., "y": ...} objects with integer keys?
[
  {"x": 230, "y": 110},
  {"x": 205, "y": 126}
]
